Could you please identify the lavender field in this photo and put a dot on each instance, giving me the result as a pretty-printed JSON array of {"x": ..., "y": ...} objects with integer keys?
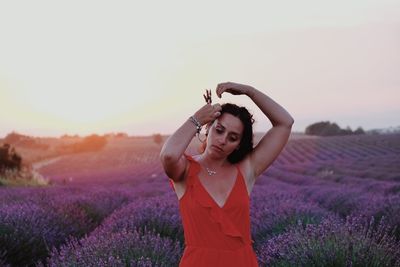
[{"x": 325, "y": 201}]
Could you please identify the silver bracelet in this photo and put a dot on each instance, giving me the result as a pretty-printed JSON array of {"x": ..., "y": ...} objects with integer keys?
[{"x": 196, "y": 122}]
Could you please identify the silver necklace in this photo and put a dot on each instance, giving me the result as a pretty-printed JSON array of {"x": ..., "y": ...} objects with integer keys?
[{"x": 210, "y": 172}]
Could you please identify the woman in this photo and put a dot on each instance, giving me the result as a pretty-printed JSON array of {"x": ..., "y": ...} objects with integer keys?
[{"x": 213, "y": 188}]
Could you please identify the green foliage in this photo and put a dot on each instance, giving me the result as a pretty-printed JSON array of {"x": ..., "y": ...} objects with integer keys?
[
  {"x": 90, "y": 143},
  {"x": 121, "y": 135},
  {"x": 26, "y": 141},
  {"x": 13, "y": 138},
  {"x": 157, "y": 138},
  {"x": 32, "y": 143},
  {"x": 326, "y": 128},
  {"x": 9, "y": 159},
  {"x": 359, "y": 130},
  {"x": 13, "y": 173},
  {"x": 24, "y": 177}
]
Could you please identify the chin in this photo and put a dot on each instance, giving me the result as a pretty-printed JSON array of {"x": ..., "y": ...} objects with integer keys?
[{"x": 218, "y": 155}]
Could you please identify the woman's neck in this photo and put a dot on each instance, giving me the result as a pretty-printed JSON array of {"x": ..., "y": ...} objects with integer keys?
[{"x": 213, "y": 162}]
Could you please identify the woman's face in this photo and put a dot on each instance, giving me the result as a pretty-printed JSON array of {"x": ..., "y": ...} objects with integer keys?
[{"x": 224, "y": 135}]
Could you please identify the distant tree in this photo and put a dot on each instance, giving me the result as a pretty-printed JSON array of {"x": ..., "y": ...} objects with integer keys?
[
  {"x": 359, "y": 130},
  {"x": 32, "y": 143},
  {"x": 13, "y": 138},
  {"x": 66, "y": 136},
  {"x": 9, "y": 159},
  {"x": 26, "y": 141},
  {"x": 157, "y": 138},
  {"x": 109, "y": 135},
  {"x": 92, "y": 142},
  {"x": 325, "y": 128},
  {"x": 346, "y": 131},
  {"x": 121, "y": 135}
]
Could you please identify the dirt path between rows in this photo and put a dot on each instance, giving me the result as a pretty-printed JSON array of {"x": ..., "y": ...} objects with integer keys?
[{"x": 40, "y": 164}]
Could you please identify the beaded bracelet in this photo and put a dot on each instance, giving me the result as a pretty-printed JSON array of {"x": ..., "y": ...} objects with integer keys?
[{"x": 197, "y": 123}]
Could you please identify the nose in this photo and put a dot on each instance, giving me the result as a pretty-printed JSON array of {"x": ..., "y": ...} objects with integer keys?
[{"x": 222, "y": 140}]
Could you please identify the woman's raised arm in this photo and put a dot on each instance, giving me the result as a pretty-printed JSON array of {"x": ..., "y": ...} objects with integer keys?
[
  {"x": 273, "y": 142},
  {"x": 171, "y": 154}
]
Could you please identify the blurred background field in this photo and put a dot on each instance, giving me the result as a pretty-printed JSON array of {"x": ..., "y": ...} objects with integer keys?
[
  {"x": 327, "y": 200},
  {"x": 72, "y": 68}
]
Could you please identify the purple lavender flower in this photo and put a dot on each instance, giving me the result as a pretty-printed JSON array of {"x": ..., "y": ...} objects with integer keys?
[
  {"x": 158, "y": 213},
  {"x": 353, "y": 242},
  {"x": 123, "y": 248}
]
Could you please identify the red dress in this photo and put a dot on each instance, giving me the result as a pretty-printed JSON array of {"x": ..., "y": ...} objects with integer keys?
[{"x": 215, "y": 236}]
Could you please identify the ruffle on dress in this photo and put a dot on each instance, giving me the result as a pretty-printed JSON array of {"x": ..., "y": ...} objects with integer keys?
[{"x": 216, "y": 213}]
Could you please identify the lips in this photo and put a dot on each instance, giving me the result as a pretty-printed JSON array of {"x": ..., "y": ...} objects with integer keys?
[{"x": 217, "y": 148}]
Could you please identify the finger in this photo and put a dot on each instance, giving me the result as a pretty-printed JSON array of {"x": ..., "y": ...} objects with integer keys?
[
  {"x": 217, "y": 114},
  {"x": 219, "y": 90},
  {"x": 207, "y": 97},
  {"x": 222, "y": 90},
  {"x": 217, "y": 107}
]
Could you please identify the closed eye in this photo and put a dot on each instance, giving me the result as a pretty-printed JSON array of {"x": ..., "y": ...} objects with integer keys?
[
  {"x": 219, "y": 131},
  {"x": 232, "y": 138}
]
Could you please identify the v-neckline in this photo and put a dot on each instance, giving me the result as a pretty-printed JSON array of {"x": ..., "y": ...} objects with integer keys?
[{"x": 230, "y": 192}]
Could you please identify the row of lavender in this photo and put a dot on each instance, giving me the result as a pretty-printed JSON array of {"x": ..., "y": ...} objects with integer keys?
[
  {"x": 369, "y": 156},
  {"x": 288, "y": 227},
  {"x": 34, "y": 220},
  {"x": 302, "y": 214},
  {"x": 291, "y": 224}
]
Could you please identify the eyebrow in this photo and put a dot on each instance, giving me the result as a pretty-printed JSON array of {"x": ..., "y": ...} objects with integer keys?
[{"x": 235, "y": 133}]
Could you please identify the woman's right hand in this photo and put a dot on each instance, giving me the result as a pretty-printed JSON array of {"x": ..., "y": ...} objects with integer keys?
[{"x": 208, "y": 113}]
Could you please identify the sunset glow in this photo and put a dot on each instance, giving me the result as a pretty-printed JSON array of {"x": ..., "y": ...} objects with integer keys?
[{"x": 95, "y": 66}]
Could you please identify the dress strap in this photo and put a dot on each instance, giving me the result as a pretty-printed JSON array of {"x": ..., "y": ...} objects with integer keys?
[
  {"x": 239, "y": 172},
  {"x": 243, "y": 181},
  {"x": 188, "y": 157},
  {"x": 194, "y": 169},
  {"x": 171, "y": 183}
]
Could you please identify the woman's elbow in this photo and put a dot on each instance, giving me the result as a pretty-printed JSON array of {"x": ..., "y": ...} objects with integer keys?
[{"x": 289, "y": 123}]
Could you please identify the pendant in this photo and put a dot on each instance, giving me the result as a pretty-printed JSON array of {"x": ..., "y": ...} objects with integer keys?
[{"x": 210, "y": 172}]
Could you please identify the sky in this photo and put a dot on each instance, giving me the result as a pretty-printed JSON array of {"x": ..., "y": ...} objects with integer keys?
[{"x": 141, "y": 67}]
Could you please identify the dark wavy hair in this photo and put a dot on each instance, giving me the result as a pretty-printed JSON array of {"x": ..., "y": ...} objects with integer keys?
[{"x": 246, "y": 143}]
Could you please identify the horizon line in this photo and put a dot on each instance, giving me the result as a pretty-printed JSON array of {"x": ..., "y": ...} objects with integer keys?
[{"x": 152, "y": 134}]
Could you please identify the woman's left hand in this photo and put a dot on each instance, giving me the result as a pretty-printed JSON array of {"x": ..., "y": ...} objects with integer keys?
[{"x": 233, "y": 88}]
